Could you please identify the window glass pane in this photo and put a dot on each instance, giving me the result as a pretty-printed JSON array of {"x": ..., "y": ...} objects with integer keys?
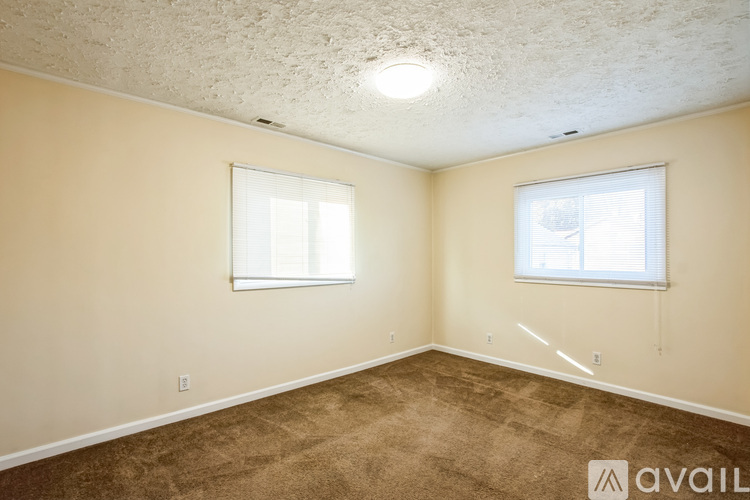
[
  {"x": 555, "y": 234},
  {"x": 335, "y": 237},
  {"x": 615, "y": 231},
  {"x": 289, "y": 237}
]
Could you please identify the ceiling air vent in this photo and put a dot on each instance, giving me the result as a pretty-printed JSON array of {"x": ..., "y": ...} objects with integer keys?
[
  {"x": 269, "y": 123},
  {"x": 563, "y": 134}
]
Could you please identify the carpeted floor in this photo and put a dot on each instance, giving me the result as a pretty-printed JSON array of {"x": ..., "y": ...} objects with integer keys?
[{"x": 432, "y": 426}]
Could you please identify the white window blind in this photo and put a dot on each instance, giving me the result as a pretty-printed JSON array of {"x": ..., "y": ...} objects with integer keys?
[
  {"x": 603, "y": 229},
  {"x": 290, "y": 230}
]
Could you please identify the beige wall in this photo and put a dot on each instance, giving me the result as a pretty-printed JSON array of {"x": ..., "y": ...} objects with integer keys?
[
  {"x": 115, "y": 264},
  {"x": 702, "y": 321}
]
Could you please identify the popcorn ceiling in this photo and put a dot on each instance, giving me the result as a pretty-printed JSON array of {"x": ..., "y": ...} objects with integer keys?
[{"x": 509, "y": 73}]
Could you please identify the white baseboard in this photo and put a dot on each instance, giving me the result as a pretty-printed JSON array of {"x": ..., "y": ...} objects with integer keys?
[
  {"x": 52, "y": 449},
  {"x": 708, "y": 411}
]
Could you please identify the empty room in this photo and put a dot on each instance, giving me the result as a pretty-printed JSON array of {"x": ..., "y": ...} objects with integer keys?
[{"x": 374, "y": 250}]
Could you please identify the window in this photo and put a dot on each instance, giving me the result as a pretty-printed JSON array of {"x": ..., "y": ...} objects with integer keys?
[
  {"x": 603, "y": 229},
  {"x": 289, "y": 230}
]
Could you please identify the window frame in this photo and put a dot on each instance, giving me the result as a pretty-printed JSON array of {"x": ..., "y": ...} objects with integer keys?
[
  {"x": 274, "y": 281},
  {"x": 654, "y": 277}
]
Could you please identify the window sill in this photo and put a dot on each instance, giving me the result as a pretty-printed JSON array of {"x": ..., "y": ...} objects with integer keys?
[
  {"x": 603, "y": 284},
  {"x": 240, "y": 285}
]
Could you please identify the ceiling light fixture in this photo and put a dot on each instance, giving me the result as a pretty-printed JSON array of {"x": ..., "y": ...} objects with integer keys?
[{"x": 404, "y": 80}]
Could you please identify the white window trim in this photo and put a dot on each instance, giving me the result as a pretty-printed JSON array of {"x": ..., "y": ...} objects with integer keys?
[{"x": 525, "y": 274}]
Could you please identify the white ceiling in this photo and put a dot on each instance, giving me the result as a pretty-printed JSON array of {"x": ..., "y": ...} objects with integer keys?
[{"x": 509, "y": 73}]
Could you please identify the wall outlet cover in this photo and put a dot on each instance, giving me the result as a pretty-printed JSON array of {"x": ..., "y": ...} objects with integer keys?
[
  {"x": 184, "y": 383},
  {"x": 596, "y": 358}
]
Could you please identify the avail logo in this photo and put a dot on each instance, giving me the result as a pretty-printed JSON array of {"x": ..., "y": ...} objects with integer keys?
[{"x": 608, "y": 479}]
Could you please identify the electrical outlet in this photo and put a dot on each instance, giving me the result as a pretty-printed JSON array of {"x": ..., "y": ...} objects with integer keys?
[
  {"x": 392, "y": 337},
  {"x": 489, "y": 338},
  {"x": 596, "y": 358},
  {"x": 184, "y": 382}
]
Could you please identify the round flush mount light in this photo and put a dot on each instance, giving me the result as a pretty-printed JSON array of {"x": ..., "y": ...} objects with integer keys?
[{"x": 405, "y": 80}]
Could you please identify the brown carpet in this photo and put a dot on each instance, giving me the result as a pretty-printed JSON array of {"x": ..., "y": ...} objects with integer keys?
[{"x": 432, "y": 426}]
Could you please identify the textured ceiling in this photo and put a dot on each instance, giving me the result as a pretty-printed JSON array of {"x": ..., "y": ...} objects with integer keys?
[{"x": 509, "y": 73}]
